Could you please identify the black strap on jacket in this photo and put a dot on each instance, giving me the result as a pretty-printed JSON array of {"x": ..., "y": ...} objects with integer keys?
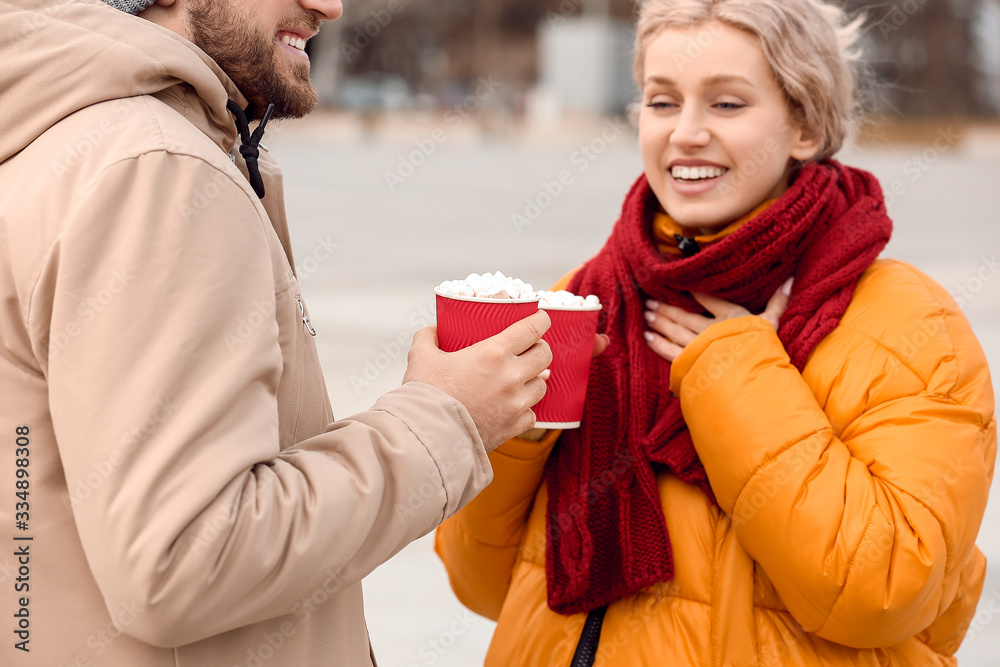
[
  {"x": 249, "y": 143},
  {"x": 586, "y": 648}
]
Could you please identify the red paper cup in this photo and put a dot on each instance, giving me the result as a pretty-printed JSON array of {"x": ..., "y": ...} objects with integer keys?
[
  {"x": 465, "y": 320},
  {"x": 571, "y": 338}
]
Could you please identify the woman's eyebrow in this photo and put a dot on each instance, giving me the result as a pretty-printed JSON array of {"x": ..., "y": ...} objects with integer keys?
[{"x": 710, "y": 81}]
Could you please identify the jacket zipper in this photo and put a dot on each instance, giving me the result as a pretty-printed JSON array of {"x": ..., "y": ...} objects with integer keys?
[
  {"x": 586, "y": 648},
  {"x": 305, "y": 318}
]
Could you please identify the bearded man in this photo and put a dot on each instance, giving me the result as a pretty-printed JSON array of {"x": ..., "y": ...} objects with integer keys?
[{"x": 176, "y": 490}]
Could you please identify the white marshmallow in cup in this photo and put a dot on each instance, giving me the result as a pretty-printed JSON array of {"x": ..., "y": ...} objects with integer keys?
[
  {"x": 488, "y": 286},
  {"x": 564, "y": 300}
]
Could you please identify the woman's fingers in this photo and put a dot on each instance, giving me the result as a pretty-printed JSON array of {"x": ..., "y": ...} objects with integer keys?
[
  {"x": 720, "y": 308},
  {"x": 662, "y": 346},
  {"x": 667, "y": 327},
  {"x": 601, "y": 342},
  {"x": 777, "y": 304},
  {"x": 674, "y": 328},
  {"x": 690, "y": 321}
]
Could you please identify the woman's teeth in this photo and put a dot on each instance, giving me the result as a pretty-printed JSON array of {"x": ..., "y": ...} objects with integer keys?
[
  {"x": 696, "y": 173},
  {"x": 294, "y": 42}
]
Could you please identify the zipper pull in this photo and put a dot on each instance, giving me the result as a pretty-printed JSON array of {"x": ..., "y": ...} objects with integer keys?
[{"x": 305, "y": 318}]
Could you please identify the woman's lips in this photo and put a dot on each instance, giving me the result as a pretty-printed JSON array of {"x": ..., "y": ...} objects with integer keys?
[{"x": 693, "y": 180}]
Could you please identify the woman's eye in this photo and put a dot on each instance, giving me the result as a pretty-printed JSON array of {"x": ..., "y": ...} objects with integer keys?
[
  {"x": 660, "y": 104},
  {"x": 729, "y": 106}
]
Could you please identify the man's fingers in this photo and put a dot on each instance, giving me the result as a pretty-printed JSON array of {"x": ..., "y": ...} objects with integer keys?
[
  {"x": 521, "y": 335},
  {"x": 538, "y": 357},
  {"x": 425, "y": 336},
  {"x": 538, "y": 387},
  {"x": 527, "y": 421}
]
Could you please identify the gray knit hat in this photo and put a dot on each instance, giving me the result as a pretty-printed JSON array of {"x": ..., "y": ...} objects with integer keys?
[{"x": 130, "y": 6}]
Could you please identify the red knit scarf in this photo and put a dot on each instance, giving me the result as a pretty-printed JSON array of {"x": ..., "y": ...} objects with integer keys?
[{"x": 606, "y": 534}]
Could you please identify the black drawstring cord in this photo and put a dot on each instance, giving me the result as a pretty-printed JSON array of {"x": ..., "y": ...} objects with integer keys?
[
  {"x": 249, "y": 143},
  {"x": 688, "y": 246}
]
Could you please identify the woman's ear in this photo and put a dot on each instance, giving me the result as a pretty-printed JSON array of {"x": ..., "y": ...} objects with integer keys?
[{"x": 806, "y": 143}]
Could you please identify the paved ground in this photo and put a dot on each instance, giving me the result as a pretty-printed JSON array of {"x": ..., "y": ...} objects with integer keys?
[{"x": 380, "y": 217}]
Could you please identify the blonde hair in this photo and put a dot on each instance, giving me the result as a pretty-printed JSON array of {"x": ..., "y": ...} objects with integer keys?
[{"x": 810, "y": 45}]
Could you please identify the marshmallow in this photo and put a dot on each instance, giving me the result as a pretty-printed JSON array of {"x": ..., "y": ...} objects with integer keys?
[
  {"x": 488, "y": 286},
  {"x": 564, "y": 299}
]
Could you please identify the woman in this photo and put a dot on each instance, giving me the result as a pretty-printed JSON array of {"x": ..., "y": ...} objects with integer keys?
[{"x": 796, "y": 488}]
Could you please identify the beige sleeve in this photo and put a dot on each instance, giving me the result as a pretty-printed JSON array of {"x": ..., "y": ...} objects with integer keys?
[{"x": 195, "y": 516}]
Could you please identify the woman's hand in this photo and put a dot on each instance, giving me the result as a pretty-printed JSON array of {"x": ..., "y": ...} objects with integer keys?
[{"x": 674, "y": 328}]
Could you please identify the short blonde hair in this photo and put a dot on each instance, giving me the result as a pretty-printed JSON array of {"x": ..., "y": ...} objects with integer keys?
[{"x": 810, "y": 45}]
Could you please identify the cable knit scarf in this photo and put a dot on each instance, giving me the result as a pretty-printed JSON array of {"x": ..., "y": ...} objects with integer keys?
[{"x": 606, "y": 534}]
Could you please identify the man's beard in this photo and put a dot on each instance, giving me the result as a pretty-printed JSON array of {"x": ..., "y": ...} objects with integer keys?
[{"x": 250, "y": 58}]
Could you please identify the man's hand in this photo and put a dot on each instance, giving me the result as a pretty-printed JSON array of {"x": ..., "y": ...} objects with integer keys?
[
  {"x": 674, "y": 328},
  {"x": 497, "y": 379}
]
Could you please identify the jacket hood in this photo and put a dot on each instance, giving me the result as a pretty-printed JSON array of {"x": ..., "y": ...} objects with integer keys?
[{"x": 60, "y": 56}]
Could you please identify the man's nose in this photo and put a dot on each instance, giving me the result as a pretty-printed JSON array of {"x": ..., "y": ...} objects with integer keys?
[{"x": 325, "y": 10}]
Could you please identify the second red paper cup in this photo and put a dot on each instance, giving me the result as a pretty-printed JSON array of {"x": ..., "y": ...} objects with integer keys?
[
  {"x": 571, "y": 338},
  {"x": 465, "y": 320}
]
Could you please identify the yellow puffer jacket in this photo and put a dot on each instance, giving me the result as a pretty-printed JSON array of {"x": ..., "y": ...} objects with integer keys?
[{"x": 849, "y": 499}]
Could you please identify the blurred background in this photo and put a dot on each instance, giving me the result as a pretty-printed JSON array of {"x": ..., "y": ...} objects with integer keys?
[{"x": 461, "y": 136}]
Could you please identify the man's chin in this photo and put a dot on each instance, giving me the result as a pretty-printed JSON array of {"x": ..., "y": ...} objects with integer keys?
[{"x": 288, "y": 102}]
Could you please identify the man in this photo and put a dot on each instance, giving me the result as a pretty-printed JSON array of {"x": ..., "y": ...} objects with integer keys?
[{"x": 175, "y": 489}]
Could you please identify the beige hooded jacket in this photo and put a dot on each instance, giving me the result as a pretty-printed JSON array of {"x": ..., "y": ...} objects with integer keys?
[{"x": 173, "y": 488}]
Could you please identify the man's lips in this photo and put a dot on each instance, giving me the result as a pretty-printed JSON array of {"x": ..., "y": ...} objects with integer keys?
[{"x": 294, "y": 40}]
